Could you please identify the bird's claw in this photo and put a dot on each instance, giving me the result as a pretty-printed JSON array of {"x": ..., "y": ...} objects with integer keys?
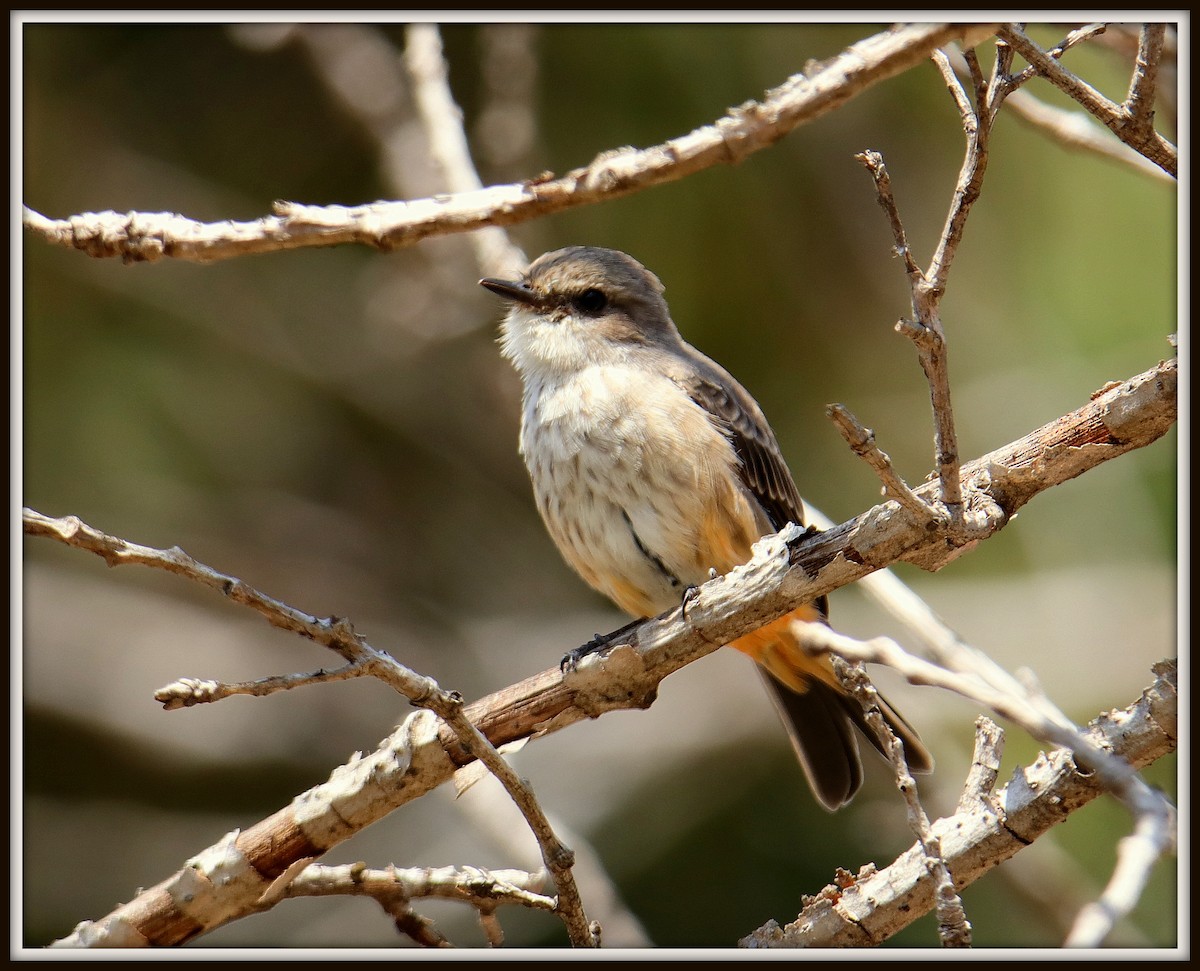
[
  {"x": 690, "y": 593},
  {"x": 570, "y": 660}
]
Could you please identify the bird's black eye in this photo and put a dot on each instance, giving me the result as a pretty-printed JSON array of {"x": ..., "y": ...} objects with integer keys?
[{"x": 591, "y": 301}]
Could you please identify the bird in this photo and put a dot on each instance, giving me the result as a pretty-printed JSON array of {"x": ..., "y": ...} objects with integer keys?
[{"x": 652, "y": 467}]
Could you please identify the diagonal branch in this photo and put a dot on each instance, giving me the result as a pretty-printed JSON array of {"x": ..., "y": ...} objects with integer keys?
[
  {"x": 743, "y": 130},
  {"x": 225, "y": 881},
  {"x": 1075, "y": 130}
]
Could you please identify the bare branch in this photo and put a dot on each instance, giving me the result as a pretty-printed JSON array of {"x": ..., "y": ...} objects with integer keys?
[
  {"x": 788, "y": 569},
  {"x": 975, "y": 841},
  {"x": 1126, "y": 41},
  {"x": 187, "y": 692},
  {"x": 409, "y": 922},
  {"x": 985, "y": 765},
  {"x": 478, "y": 887},
  {"x": 988, "y": 685},
  {"x": 873, "y": 162},
  {"x": 945, "y": 645},
  {"x": 487, "y": 817},
  {"x": 970, "y": 179},
  {"x": 557, "y": 856},
  {"x": 335, "y": 633},
  {"x": 926, "y": 289},
  {"x": 394, "y": 889},
  {"x": 1076, "y": 131},
  {"x": 1136, "y": 855},
  {"x": 441, "y": 116},
  {"x": 972, "y": 674},
  {"x": 961, "y": 101},
  {"x": 1075, "y": 37},
  {"x": 743, "y": 130}
]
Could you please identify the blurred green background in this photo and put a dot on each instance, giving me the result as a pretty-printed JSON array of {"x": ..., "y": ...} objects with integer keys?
[{"x": 337, "y": 428}]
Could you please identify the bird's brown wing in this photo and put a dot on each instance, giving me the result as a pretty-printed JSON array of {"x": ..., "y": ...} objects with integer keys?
[{"x": 760, "y": 462}]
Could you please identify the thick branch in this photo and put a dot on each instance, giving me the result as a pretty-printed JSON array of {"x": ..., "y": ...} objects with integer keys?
[
  {"x": 743, "y": 130},
  {"x": 227, "y": 880}
]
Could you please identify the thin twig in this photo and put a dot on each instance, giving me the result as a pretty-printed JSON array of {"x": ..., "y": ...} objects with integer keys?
[
  {"x": 925, "y": 329},
  {"x": 491, "y": 927},
  {"x": 961, "y": 101},
  {"x": 1136, "y": 856},
  {"x": 978, "y": 83},
  {"x": 1076, "y": 36},
  {"x": 472, "y": 885},
  {"x": 873, "y": 162},
  {"x": 409, "y": 922},
  {"x": 187, "y": 692},
  {"x": 970, "y": 181},
  {"x": 1001, "y": 80},
  {"x": 484, "y": 807},
  {"x": 862, "y": 441},
  {"x": 394, "y": 889},
  {"x": 985, "y": 765},
  {"x": 558, "y": 857},
  {"x": 335, "y": 633},
  {"x": 1075, "y": 130},
  {"x": 954, "y": 930}
]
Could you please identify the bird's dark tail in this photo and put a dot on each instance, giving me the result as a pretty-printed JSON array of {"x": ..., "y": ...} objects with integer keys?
[{"x": 821, "y": 723}]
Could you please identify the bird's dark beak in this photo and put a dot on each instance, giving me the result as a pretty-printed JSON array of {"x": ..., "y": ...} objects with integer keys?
[{"x": 517, "y": 292}]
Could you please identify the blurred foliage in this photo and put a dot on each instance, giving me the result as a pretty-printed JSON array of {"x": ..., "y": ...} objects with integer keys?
[{"x": 337, "y": 428}]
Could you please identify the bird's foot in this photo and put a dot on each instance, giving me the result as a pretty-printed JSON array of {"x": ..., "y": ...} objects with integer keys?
[{"x": 597, "y": 644}]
